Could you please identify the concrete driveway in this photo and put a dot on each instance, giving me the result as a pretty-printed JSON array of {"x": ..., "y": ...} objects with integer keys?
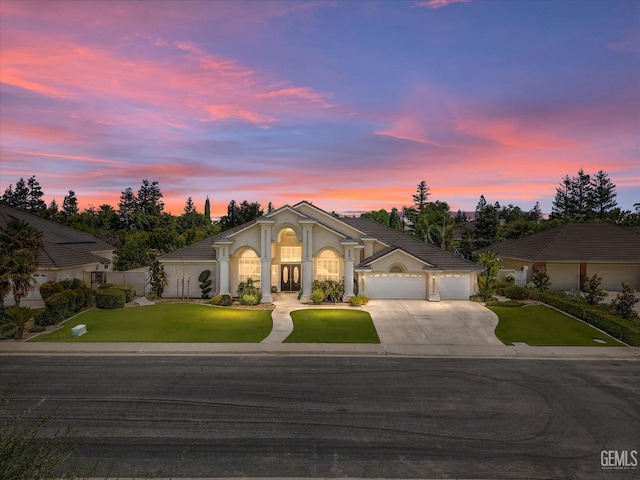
[{"x": 441, "y": 325}]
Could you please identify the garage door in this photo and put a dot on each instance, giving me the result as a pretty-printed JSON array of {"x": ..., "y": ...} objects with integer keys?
[
  {"x": 613, "y": 275},
  {"x": 564, "y": 276},
  {"x": 396, "y": 285},
  {"x": 454, "y": 286}
]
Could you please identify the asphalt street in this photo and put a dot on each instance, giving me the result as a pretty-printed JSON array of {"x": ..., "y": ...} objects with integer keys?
[{"x": 182, "y": 416}]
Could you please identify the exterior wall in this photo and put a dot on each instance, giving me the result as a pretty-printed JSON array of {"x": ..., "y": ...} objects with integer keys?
[
  {"x": 189, "y": 271},
  {"x": 517, "y": 265},
  {"x": 249, "y": 238},
  {"x": 329, "y": 220},
  {"x": 613, "y": 275},
  {"x": 410, "y": 264},
  {"x": 135, "y": 279},
  {"x": 323, "y": 238},
  {"x": 564, "y": 276}
]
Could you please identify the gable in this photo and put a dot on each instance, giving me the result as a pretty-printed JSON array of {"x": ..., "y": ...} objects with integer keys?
[{"x": 395, "y": 256}]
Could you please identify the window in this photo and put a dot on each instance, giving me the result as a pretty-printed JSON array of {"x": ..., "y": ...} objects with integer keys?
[
  {"x": 290, "y": 254},
  {"x": 327, "y": 266},
  {"x": 248, "y": 266}
]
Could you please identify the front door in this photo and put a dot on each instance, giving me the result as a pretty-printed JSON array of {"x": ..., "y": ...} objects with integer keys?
[{"x": 290, "y": 277}]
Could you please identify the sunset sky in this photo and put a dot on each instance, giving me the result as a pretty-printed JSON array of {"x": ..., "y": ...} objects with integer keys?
[{"x": 346, "y": 103}]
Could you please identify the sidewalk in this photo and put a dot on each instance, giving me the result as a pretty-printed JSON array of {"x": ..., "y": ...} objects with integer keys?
[{"x": 408, "y": 332}]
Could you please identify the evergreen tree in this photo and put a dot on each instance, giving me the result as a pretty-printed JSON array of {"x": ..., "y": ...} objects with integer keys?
[
  {"x": 486, "y": 224},
  {"x": 581, "y": 195},
  {"x": 421, "y": 197},
  {"x": 207, "y": 209},
  {"x": 127, "y": 207},
  {"x": 70, "y": 205},
  {"x": 535, "y": 214},
  {"x": 189, "y": 207},
  {"x": 562, "y": 206},
  {"x": 603, "y": 194},
  {"x": 35, "y": 203},
  {"x": 395, "y": 221},
  {"x": 460, "y": 218},
  {"x": 20, "y": 195},
  {"x": 239, "y": 214},
  {"x": 149, "y": 196},
  {"x": 52, "y": 210}
]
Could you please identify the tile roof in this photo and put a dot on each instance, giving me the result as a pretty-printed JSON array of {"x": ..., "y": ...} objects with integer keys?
[
  {"x": 430, "y": 254},
  {"x": 440, "y": 259},
  {"x": 575, "y": 242},
  {"x": 63, "y": 246}
]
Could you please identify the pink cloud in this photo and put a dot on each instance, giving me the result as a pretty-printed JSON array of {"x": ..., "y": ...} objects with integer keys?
[{"x": 438, "y": 3}]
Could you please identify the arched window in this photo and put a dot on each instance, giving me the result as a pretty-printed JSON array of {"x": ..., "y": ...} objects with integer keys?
[
  {"x": 396, "y": 269},
  {"x": 248, "y": 266},
  {"x": 327, "y": 265}
]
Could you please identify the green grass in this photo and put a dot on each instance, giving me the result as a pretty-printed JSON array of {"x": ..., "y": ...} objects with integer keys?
[
  {"x": 332, "y": 326},
  {"x": 167, "y": 322},
  {"x": 543, "y": 326}
]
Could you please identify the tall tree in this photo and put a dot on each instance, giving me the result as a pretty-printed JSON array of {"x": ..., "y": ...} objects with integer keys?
[
  {"x": 581, "y": 195},
  {"x": 603, "y": 194},
  {"x": 127, "y": 207},
  {"x": 562, "y": 206},
  {"x": 207, "y": 209},
  {"x": 20, "y": 246},
  {"x": 239, "y": 214},
  {"x": 35, "y": 203},
  {"x": 421, "y": 197},
  {"x": 70, "y": 205},
  {"x": 486, "y": 223},
  {"x": 395, "y": 221},
  {"x": 52, "y": 210},
  {"x": 149, "y": 198},
  {"x": 189, "y": 207}
]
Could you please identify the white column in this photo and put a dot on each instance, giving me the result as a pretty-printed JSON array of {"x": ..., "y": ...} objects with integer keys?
[
  {"x": 307, "y": 258},
  {"x": 265, "y": 261},
  {"x": 348, "y": 273},
  {"x": 222, "y": 254}
]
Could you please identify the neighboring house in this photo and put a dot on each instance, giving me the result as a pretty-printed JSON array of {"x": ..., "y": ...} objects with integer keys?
[
  {"x": 575, "y": 250},
  {"x": 66, "y": 252},
  {"x": 292, "y": 246}
]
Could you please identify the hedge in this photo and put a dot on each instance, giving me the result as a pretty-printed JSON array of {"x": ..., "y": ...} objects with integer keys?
[
  {"x": 514, "y": 292},
  {"x": 623, "y": 329},
  {"x": 129, "y": 292},
  {"x": 49, "y": 288},
  {"x": 110, "y": 298},
  {"x": 221, "y": 300},
  {"x": 56, "y": 309}
]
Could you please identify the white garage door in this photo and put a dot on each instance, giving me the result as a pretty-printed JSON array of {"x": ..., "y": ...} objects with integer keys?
[
  {"x": 454, "y": 286},
  {"x": 613, "y": 275},
  {"x": 564, "y": 276},
  {"x": 396, "y": 285}
]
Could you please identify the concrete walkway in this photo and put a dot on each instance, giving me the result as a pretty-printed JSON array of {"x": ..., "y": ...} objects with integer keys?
[{"x": 405, "y": 327}]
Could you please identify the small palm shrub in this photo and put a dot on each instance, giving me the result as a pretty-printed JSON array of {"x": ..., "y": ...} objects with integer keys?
[
  {"x": 248, "y": 293},
  {"x": 221, "y": 300},
  {"x": 317, "y": 296}
]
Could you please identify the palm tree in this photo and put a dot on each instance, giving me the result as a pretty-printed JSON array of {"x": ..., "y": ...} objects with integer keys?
[
  {"x": 20, "y": 316},
  {"x": 20, "y": 246}
]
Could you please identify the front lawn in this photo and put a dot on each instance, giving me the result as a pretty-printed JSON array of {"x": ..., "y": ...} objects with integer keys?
[
  {"x": 543, "y": 326},
  {"x": 167, "y": 322},
  {"x": 332, "y": 326}
]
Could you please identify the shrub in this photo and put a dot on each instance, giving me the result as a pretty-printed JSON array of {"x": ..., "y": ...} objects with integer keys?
[
  {"x": 624, "y": 303},
  {"x": 105, "y": 285},
  {"x": 541, "y": 279},
  {"x": 510, "y": 278},
  {"x": 205, "y": 283},
  {"x": 49, "y": 288},
  {"x": 110, "y": 298},
  {"x": 72, "y": 296},
  {"x": 317, "y": 296},
  {"x": 332, "y": 289},
  {"x": 355, "y": 301},
  {"x": 7, "y": 326},
  {"x": 501, "y": 286},
  {"x": 56, "y": 309},
  {"x": 86, "y": 297},
  {"x": 250, "y": 296},
  {"x": 129, "y": 292},
  {"x": 514, "y": 292},
  {"x": 488, "y": 278},
  {"x": 71, "y": 283},
  {"x": 221, "y": 300},
  {"x": 591, "y": 289},
  {"x": 624, "y": 329}
]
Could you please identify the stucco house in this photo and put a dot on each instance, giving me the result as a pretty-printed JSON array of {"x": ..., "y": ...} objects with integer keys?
[
  {"x": 66, "y": 252},
  {"x": 292, "y": 246},
  {"x": 572, "y": 251}
]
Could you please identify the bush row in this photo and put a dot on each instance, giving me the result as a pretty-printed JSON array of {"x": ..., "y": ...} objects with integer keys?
[
  {"x": 358, "y": 300},
  {"x": 63, "y": 304},
  {"x": 627, "y": 330}
]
